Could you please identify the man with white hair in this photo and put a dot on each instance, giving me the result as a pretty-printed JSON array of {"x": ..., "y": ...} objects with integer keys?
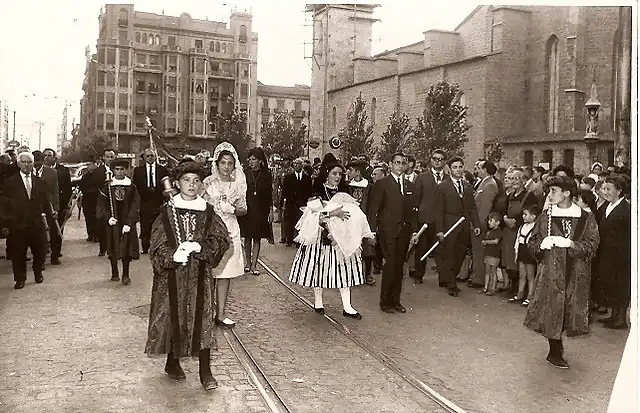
[{"x": 25, "y": 204}]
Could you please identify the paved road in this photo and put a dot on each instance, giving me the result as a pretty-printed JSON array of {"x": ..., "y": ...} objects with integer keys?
[{"x": 474, "y": 350}]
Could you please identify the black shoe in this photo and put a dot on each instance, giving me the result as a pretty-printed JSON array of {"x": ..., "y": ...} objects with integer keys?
[
  {"x": 39, "y": 279},
  {"x": 319, "y": 310},
  {"x": 442, "y": 284},
  {"x": 174, "y": 370},
  {"x": 126, "y": 280},
  {"x": 55, "y": 261},
  {"x": 356, "y": 316},
  {"x": 19, "y": 285},
  {"x": 453, "y": 291},
  {"x": 558, "y": 361},
  {"x": 475, "y": 285},
  {"x": 115, "y": 278},
  {"x": 370, "y": 280},
  {"x": 386, "y": 309},
  {"x": 400, "y": 308}
]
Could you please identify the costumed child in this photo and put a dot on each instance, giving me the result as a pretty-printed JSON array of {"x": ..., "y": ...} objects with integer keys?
[
  {"x": 119, "y": 207},
  {"x": 564, "y": 240},
  {"x": 331, "y": 231},
  {"x": 524, "y": 258},
  {"x": 188, "y": 241}
]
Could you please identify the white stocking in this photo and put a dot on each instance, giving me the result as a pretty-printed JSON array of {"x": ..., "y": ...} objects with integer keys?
[
  {"x": 345, "y": 294},
  {"x": 317, "y": 293}
]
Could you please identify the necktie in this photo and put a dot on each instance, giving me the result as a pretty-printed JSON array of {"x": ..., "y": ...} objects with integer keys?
[
  {"x": 27, "y": 182},
  {"x": 400, "y": 183},
  {"x": 150, "y": 174},
  {"x": 460, "y": 190},
  {"x": 438, "y": 178}
]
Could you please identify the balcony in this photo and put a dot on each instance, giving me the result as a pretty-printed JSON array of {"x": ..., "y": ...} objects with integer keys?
[
  {"x": 226, "y": 96},
  {"x": 171, "y": 48},
  {"x": 142, "y": 67},
  {"x": 245, "y": 56},
  {"x": 153, "y": 89},
  {"x": 197, "y": 50},
  {"x": 221, "y": 73},
  {"x": 265, "y": 110},
  {"x": 123, "y": 22}
]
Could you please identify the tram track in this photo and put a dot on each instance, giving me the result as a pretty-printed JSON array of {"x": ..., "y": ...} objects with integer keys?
[{"x": 408, "y": 377}]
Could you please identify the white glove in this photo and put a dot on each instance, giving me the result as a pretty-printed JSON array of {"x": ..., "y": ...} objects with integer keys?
[
  {"x": 562, "y": 242},
  {"x": 191, "y": 246},
  {"x": 126, "y": 229},
  {"x": 181, "y": 255},
  {"x": 112, "y": 221},
  {"x": 546, "y": 243},
  {"x": 227, "y": 208}
]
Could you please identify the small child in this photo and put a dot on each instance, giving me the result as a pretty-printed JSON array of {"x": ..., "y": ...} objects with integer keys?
[
  {"x": 524, "y": 258},
  {"x": 492, "y": 252}
]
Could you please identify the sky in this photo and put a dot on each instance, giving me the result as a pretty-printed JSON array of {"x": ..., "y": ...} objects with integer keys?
[{"x": 42, "y": 59}]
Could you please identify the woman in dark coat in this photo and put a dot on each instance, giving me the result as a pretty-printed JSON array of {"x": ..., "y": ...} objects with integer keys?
[
  {"x": 564, "y": 241},
  {"x": 612, "y": 266},
  {"x": 256, "y": 224}
]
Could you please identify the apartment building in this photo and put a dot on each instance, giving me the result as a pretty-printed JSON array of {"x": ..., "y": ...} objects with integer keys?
[
  {"x": 277, "y": 99},
  {"x": 180, "y": 72}
]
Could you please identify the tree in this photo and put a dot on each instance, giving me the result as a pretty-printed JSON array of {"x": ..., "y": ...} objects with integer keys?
[
  {"x": 85, "y": 146},
  {"x": 444, "y": 125},
  {"x": 494, "y": 152},
  {"x": 280, "y": 137},
  {"x": 398, "y": 136},
  {"x": 233, "y": 129},
  {"x": 356, "y": 137}
]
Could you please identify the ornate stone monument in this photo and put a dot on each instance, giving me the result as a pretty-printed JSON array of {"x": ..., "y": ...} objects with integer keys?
[{"x": 593, "y": 107}]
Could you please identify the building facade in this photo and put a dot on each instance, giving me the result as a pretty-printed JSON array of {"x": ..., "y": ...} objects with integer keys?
[
  {"x": 180, "y": 72},
  {"x": 525, "y": 74},
  {"x": 293, "y": 100}
]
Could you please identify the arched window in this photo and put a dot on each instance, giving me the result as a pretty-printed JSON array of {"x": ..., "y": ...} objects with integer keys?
[
  {"x": 137, "y": 37},
  {"x": 373, "y": 111},
  {"x": 151, "y": 41},
  {"x": 158, "y": 40},
  {"x": 124, "y": 16},
  {"x": 552, "y": 75},
  {"x": 334, "y": 122},
  {"x": 144, "y": 37},
  {"x": 243, "y": 32},
  {"x": 212, "y": 46},
  {"x": 217, "y": 47},
  {"x": 224, "y": 48}
]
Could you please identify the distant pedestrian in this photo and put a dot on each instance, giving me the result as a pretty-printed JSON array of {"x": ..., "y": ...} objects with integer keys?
[{"x": 188, "y": 241}]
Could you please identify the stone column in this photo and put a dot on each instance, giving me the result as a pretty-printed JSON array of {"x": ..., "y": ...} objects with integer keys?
[{"x": 623, "y": 132}]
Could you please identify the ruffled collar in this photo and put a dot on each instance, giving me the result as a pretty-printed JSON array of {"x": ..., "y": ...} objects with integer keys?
[
  {"x": 363, "y": 183},
  {"x": 121, "y": 182},
  {"x": 198, "y": 204},
  {"x": 574, "y": 211}
]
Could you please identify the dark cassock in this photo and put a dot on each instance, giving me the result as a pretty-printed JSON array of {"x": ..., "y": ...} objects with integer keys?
[
  {"x": 561, "y": 298},
  {"x": 119, "y": 199},
  {"x": 181, "y": 319}
]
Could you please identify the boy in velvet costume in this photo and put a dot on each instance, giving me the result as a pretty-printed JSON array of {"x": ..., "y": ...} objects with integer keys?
[
  {"x": 119, "y": 208},
  {"x": 188, "y": 241}
]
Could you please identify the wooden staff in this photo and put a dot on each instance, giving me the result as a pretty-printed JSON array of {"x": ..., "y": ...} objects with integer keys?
[
  {"x": 412, "y": 246},
  {"x": 446, "y": 234}
]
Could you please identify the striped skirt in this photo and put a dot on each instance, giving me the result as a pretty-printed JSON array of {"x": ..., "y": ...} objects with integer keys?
[{"x": 325, "y": 266}]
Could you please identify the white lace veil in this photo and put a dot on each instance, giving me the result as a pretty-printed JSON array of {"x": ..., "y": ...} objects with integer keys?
[{"x": 237, "y": 174}]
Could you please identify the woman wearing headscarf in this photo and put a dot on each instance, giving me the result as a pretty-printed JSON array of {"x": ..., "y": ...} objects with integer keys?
[
  {"x": 226, "y": 190},
  {"x": 256, "y": 224}
]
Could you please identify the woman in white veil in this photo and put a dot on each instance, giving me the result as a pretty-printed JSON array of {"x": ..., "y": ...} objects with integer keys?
[{"x": 226, "y": 191}]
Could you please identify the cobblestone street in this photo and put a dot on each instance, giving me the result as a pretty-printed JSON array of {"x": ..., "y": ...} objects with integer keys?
[{"x": 75, "y": 344}]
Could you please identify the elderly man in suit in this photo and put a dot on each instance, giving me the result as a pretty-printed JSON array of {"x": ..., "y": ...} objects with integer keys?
[
  {"x": 147, "y": 178},
  {"x": 296, "y": 191},
  {"x": 426, "y": 188},
  {"x": 392, "y": 217},
  {"x": 486, "y": 193},
  {"x": 25, "y": 202},
  {"x": 64, "y": 191},
  {"x": 454, "y": 200}
]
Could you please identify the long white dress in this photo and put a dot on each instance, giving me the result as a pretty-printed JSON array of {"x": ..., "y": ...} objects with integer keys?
[{"x": 215, "y": 192}]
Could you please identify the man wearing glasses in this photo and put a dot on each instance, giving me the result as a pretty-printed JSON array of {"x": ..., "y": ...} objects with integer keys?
[
  {"x": 426, "y": 187},
  {"x": 148, "y": 180}
]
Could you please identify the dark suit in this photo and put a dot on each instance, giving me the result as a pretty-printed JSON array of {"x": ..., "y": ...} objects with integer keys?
[
  {"x": 26, "y": 225},
  {"x": 151, "y": 199},
  {"x": 451, "y": 206},
  {"x": 96, "y": 181},
  {"x": 295, "y": 194},
  {"x": 89, "y": 201},
  {"x": 65, "y": 190},
  {"x": 392, "y": 217},
  {"x": 426, "y": 189}
]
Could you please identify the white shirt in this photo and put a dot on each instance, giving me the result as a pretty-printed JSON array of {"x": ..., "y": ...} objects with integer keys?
[
  {"x": 611, "y": 207},
  {"x": 24, "y": 182},
  {"x": 411, "y": 177},
  {"x": 298, "y": 175},
  {"x": 456, "y": 185},
  {"x": 399, "y": 180},
  {"x": 151, "y": 172},
  {"x": 435, "y": 175}
]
